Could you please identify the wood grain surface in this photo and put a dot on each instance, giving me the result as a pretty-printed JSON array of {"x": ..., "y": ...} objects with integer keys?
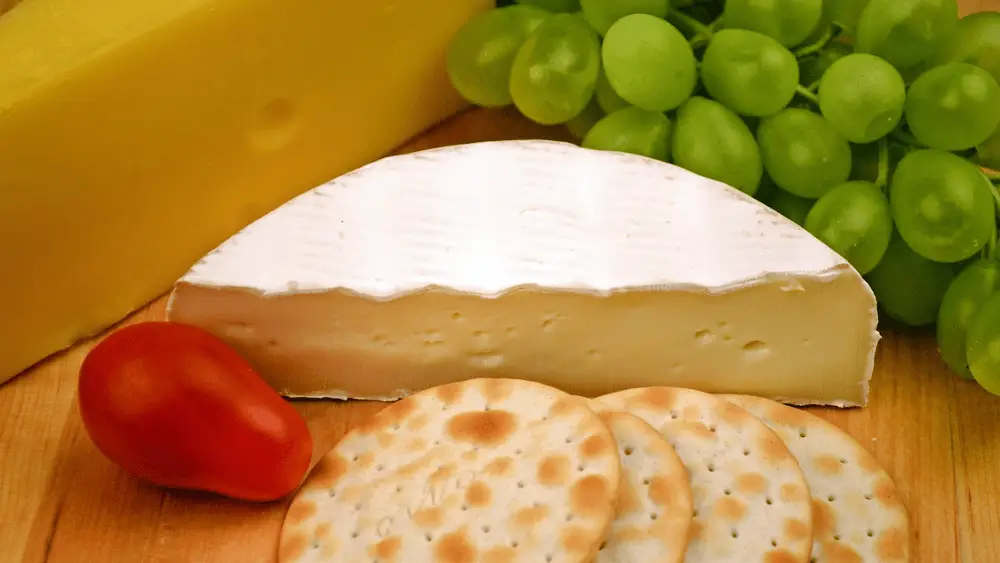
[{"x": 62, "y": 502}]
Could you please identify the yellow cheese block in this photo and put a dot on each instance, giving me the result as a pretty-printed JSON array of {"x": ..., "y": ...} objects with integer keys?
[{"x": 135, "y": 136}]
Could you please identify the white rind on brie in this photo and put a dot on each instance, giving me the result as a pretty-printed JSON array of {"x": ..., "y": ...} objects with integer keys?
[{"x": 589, "y": 270}]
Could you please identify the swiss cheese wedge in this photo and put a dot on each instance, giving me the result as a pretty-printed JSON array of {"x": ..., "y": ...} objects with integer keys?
[
  {"x": 135, "y": 136},
  {"x": 591, "y": 271}
]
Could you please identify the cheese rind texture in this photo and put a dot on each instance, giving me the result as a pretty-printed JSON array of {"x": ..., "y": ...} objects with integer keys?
[
  {"x": 137, "y": 136},
  {"x": 591, "y": 271}
]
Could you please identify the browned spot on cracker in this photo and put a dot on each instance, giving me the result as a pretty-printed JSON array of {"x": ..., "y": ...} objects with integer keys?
[
  {"x": 528, "y": 517},
  {"x": 417, "y": 444},
  {"x": 828, "y": 464},
  {"x": 470, "y": 455},
  {"x": 443, "y": 473},
  {"x": 455, "y": 548},
  {"x": 628, "y": 499},
  {"x": 751, "y": 483},
  {"x": 387, "y": 549},
  {"x": 429, "y": 517},
  {"x": 300, "y": 510},
  {"x": 396, "y": 413},
  {"x": 796, "y": 530},
  {"x": 892, "y": 545},
  {"x": 329, "y": 548},
  {"x": 499, "y": 467},
  {"x": 576, "y": 540},
  {"x": 496, "y": 390},
  {"x": 774, "y": 449},
  {"x": 323, "y": 530},
  {"x": 691, "y": 412},
  {"x": 656, "y": 397},
  {"x": 696, "y": 530},
  {"x": 696, "y": 428},
  {"x": 838, "y": 552},
  {"x": 868, "y": 462},
  {"x": 628, "y": 534},
  {"x": 500, "y": 554},
  {"x": 553, "y": 470},
  {"x": 292, "y": 547},
  {"x": 594, "y": 446},
  {"x": 384, "y": 438},
  {"x": 328, "y": 471},
  {"x": 734, "y": 414},
  {"x": 450, "y": 393},
  {"x": 590, "y": 495},
  {"x": 365, "y": 460},
  {"x": 780, "y": 556},
  {"x": 730, "y": 508},
  {"x": 788, "y": 416},
  {"x": 478, "y": 494},
  {"x": 823, "y": 520},
  {"x": 418, "y": 422},
  {"x": 793, "y": 492},
  {"x": 660, "y": 490},
  {"x": 564, "y": 406},
  {"x": 482, "y": 428},
  {"x": 885, "y": 493}
]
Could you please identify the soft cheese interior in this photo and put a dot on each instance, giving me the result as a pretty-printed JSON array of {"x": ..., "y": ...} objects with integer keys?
[{"x": 591, "y": 271}]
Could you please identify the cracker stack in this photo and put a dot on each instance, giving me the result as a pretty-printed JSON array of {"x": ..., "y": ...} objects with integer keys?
[{"x": 506, "y": 470}]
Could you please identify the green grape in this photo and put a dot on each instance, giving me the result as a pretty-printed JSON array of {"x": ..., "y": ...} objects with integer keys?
[
  {"x": 964, "y": 298},
  {"x": 632, "y": 130},
  {"x": 787, "y": 21},
  {"x": 803, "y": 153},
  {"x": 854, "y": 220},
  {"x": 555, "y": 71},
  {"x": 554, "y": 5},
  {"x": 607, "y": 98},
  {"x": 982, "y": 348},
  {"x": 905, "y": 32},
  {"x": 942, "y": 205},
  {"x": 603, "y": 13},
  {"x": 862, "y": 97},
  {"x": 908, "y": 286},
  {"x": 712, "y": 141},
  {"x": 988, "y": 152},
  {"x": 792, "y": 207},
  {"x": 648, "y": 62},
  {"x": 811, "y": 69},
  {"x": 482, "y": 51},
  {"x": 749, "y": 72},
  {"x": 975, "y": 41},
  {"x": 953, "y": 107},
  {"x": 585, "y": 120},
  {"x": 844, "y": 13}
]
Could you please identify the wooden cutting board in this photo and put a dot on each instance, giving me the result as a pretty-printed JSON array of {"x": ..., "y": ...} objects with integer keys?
[{"x": 62, "y": 502}]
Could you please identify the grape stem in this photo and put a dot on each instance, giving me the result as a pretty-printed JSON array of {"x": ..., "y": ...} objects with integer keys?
[
  {"x": 702, "y": 33},
  {"x": 805, "y": 93},
  {"x": 816, "y": 46},
  {"x": 883, "y": 164},
  {"x": 993, "y": 176}
]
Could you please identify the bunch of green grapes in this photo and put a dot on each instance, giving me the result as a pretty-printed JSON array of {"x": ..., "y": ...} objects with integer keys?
[{"x": 872, "y": 124}]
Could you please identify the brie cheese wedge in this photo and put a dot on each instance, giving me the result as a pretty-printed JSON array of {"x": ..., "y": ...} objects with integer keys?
[{"x": 592, "y": 271}]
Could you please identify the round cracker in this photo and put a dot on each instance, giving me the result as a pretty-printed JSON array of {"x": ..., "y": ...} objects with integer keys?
[
  {"x": 653, "y": 515},
  {"x": 751, "y": 500},
  {"x": 857, "y": 513},
  {"x": 480, "y": 470}
]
